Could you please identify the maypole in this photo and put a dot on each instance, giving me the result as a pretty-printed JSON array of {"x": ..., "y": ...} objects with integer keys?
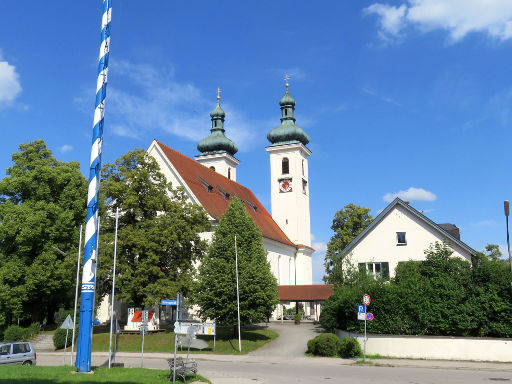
[{"x": 83, "y": 359}]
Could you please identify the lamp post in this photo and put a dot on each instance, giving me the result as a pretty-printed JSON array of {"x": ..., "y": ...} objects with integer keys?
[{"x": 507, "y": 213}]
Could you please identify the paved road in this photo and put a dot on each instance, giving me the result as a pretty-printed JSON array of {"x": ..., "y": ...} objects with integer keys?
[
  {"x": 292, "y": 340},
  {"x": 226, "y": 369}
]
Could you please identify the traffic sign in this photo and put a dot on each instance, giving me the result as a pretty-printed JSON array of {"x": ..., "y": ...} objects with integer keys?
[
  {"x": 369, "y": 316},
  {"x": 145, "y": 317},
  {"x": 361, "y": 312},
  {"x": 169, "y": 302},
  {"x": 68, "y": 323},
  {"x": 366, "y": 299}
]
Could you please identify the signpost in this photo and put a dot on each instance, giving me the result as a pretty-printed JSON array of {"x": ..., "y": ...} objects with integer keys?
[
  {"x": 169, "y": 302},
  {"x": 143, "y": 332},
  {"x": 67, "y": 325},
  {"x": 362, "y": 315}
]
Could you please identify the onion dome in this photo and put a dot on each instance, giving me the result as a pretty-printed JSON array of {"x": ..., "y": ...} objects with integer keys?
[
  {"x": 217, "y": 142},
  {"x": 288, "y": 132}
]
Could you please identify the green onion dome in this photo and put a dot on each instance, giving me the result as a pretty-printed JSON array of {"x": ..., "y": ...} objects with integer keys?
[{"x": 217, "y": 142}]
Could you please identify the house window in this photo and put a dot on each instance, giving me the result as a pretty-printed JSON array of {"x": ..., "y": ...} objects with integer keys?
[
  {"x": 400, "y": 238},
  {"x": 285, "y": 166},
  {"x": 229, "y": 173},
  {"x": 377, "y": 270}
]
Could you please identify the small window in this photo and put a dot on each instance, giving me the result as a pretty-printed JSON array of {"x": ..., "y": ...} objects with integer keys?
[
  {"x": 285, "y": 166},
  {"x": 212, "y": 168},
  {"x": 208, "y": 187},
  {"x": 378, "y": 270},
  {"x": 400, "y": 238},
  {"x": 302, "y": 167},
  {"x": 254, "y": 208},
  {"x": 225, "y": 194},
  {"x": 304, "y": 187},
  {"x": 229, "y": 173}
]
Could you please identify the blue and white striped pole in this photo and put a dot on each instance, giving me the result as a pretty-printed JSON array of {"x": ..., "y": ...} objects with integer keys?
[{"x": 83, "y": 359}]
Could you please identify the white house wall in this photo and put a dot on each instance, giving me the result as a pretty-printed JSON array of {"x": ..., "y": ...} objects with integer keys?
[{"x": 380, "y": 244}]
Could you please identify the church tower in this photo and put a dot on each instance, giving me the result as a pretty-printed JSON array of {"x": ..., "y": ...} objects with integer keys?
[
  {"x": 217, "y": 151},
  {"x": 289, "y": 179}
]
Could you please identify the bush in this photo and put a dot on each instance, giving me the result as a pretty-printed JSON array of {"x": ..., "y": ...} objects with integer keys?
[
  {"x": 297, "y": 317},
  {"x": 325, "y": 344},
  {"x": 349, "y": 347},
  {"x": 59, "y": 338},
  {"x": 14, "y": 333},
  {"x": 32, "y": 331}
]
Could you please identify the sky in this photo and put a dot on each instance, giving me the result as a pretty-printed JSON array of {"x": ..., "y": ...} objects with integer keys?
[{"x": 408, "y": 98}]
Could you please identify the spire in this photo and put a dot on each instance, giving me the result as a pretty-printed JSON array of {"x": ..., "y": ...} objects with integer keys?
[
  {"x": 217, "y": 142},
  {"x": 287, "y": 132}
]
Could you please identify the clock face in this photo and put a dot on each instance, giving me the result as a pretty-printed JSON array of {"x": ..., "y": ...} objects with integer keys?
[{"x": 285, "y": 185}]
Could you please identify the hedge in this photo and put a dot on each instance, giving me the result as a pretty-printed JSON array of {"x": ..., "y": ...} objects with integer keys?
[{"x": 325, "y": 344}]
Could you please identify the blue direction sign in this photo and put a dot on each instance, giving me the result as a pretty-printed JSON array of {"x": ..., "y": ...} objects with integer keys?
[
  {"x": 361, "y": 312},
  {"x": 169, "y": 302}
]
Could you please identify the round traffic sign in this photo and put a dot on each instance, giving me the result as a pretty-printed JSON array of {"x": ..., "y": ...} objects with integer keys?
[
  {"x": 369, "y": 316},
  {"x": 366, "y": 299}
]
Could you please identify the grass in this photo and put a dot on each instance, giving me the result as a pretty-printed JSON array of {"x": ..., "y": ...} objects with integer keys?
[
  {"x": 18, "y": 374},
  {"x": 226, "y": 343}
]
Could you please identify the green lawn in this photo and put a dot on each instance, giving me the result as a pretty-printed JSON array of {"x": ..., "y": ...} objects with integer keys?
[
  {"x": 164, "y": 342},
  {"x": 18, "y": 374}
]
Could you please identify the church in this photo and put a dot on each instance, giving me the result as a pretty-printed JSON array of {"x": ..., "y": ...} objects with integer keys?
[{"x": 209, "y": 180}]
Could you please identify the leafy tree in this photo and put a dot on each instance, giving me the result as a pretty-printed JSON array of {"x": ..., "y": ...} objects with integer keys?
[
  {"x": 493, "y": 252},
  {"x": 216, "y": 287},
  {"x": 158, "y": 234},
  {"x": 42, "y": 203},
  {"x": 347, "y": 224}
]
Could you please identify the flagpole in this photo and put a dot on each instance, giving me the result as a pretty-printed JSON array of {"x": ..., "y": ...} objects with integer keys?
[
  {"x": 112, "y": 296},
  {"x": 76, "y": 294},
  {"x": 83, "y": 359},
  {"x": 238, "y": 299}
]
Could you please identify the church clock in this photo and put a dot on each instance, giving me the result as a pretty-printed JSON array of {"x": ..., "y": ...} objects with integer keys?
[{"x": 285, "y": 185}]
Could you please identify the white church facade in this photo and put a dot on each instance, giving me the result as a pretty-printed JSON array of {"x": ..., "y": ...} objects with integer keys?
[{"x": 209, "y": 180}]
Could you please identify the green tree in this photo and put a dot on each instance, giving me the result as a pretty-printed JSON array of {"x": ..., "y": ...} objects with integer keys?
[
  {"x": 158, "y": 234},
  {"x": 216, "y": 287},
  {"x": 493, "y": 252},
  {"x": 42, "y": 203},
  {"x": 347, "y": 224}
]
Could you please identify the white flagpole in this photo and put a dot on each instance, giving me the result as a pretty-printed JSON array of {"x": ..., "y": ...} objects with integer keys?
[
  {"x": 238, "y": 299},
  {"x": 112, "y": 295},
  {"x": 76, "y": 295}
]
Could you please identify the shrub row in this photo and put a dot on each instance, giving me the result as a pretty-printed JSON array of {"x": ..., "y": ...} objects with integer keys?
[
  {"x": 442, "y": 296},
  {"x": 59, "y": 338},
  {"x": 16, "y": 333},
  {"x": 327, "y": 344}
]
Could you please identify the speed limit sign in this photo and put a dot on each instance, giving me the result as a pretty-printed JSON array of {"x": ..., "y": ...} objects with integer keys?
[{"x": 366, "y": 299}]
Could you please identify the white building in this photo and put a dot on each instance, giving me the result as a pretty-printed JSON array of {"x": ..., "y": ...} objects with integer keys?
[
  {"x": 210, "y": 181},
  {"x": 401, "y": 233}
]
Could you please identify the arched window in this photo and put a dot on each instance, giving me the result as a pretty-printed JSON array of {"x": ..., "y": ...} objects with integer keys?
[
  {"x": 212, "y": 168},
  {"x": 285, "y": 166},
  {"x": 302, "y": 167},
  {"x": 229, "y": 173}
]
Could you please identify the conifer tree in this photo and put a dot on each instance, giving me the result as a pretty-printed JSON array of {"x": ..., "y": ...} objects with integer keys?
[{"x": 216, "y": 286}]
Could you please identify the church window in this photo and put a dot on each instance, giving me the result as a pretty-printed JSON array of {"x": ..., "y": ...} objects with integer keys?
[
  {"x": 208, "y": 187},
  {"x": 302, "y": 167},
  {"x": 212, "y": 168},
  {"x": 285, "y": 166},
  {"x": 253, "y": 207},
  {"x": 286, "y": 112},
  {"x": 229, "y": 173},
  {"x": 400, "y": 238},
  {"x": 225, "y": 194},
  {"x": 304, "y": 187}
]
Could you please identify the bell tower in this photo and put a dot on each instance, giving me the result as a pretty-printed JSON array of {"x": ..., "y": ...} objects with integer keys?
[
  {"x": 217, "y": 150},
  {"x": 289, "y": 177}
]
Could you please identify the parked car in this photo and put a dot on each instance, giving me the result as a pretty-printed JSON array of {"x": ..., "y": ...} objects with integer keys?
[{"x": 17, "y": 352}]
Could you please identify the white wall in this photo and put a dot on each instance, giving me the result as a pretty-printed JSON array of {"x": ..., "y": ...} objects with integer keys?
[
  {"x": 223, "y": 163},
  {"x": 290, "y": 210},
  {"x": 380, "y": 244},
  {"x": 435, "y": 347}
]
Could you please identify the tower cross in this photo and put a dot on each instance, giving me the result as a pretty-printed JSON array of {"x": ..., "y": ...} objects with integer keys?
[
  {"x": 286, "y": 78},
  {"x": 218, "y": 93}
]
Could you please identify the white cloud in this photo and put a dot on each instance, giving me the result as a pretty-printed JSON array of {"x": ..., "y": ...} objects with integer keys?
[
  {"x": 66, "y": 148},
  {"x": 457, "y": 17},
  {"x": 412, "y": 194},
  {"x": 320, "y": 247},
  {"x": 485, "y": 223},
  {"x": 10, "y": 86},
  {"x": 146, "y": 100}
]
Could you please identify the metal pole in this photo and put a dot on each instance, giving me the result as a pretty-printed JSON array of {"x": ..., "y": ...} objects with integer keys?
[
  {"x": 143, "y": 332},
  {"x": 178, "y": 308},
  {"x": 83, "y": 360},
  {"x": 364, "y": 356},
  {"x": 238, "y": 299},
  {"x": 65, "y": 346},
  {"x": 76, "y": 294},
  {"x": 507, "y": 213},
  {"x": 112, "y": 295}
]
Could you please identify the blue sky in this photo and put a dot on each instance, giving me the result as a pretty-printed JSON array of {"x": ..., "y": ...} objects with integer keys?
[{"x": 408, "y": 97}]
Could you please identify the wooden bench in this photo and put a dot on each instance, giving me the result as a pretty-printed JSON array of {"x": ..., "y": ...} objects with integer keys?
[{"x": 182, "y": 367}]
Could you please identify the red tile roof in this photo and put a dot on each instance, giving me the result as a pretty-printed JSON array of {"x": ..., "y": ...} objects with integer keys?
[
  {"x": 313, "y": 292},
  {"x": 214, "y": 202}
]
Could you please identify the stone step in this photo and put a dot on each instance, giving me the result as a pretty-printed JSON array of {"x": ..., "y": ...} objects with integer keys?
[{"x": 43, "y": 342}]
